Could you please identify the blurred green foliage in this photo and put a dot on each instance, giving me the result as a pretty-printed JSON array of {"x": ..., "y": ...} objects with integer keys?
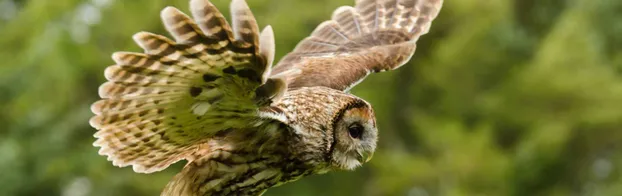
[{"x": 505, "y": 97}]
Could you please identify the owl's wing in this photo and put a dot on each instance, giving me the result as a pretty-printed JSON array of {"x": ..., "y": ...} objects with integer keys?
[
  {"x": 157, "y": 105},
  {"x": 373, "y": 36}
]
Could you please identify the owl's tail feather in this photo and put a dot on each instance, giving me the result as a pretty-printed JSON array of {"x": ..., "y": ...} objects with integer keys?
[{"x": 159, "y": 104}]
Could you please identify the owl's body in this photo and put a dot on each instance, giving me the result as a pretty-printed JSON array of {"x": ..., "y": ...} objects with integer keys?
[
  {"x": 246, "y": 162},
  {"x": 211, "y": 97}
]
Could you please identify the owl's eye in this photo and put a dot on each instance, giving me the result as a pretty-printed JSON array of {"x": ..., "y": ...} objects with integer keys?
[{"x": 355, "y": 130}]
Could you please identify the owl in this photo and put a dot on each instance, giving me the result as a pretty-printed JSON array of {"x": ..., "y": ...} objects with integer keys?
[{"x": 211, "y": 96}]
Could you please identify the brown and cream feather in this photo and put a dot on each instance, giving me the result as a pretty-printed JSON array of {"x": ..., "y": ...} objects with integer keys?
[
  {"x": 210, "y": 96},
  {"x": 373, "y": 36},
  {"x": 160, "y": 104},
  {"x": 247, "y": 162}
]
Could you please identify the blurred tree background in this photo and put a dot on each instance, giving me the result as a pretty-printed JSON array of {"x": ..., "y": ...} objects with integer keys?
[{"x": 503, "y": 97}]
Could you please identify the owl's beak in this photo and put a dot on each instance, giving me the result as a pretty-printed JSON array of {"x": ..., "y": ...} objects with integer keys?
[{"x": 364, "y": 156}]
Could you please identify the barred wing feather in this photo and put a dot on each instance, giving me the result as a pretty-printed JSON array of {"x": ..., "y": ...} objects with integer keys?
[
  {"x": 373, "y": 36},
  {"x": 158, "y": 105}
]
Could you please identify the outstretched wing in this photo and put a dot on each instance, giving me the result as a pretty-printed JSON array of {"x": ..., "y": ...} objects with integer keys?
[
  {"x": 157, "y": 105},
  {"x": 373, "y": 36}
]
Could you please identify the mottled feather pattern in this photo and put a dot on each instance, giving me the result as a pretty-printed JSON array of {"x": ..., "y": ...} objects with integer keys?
[
  {"x": 209, "y": 95},
  {"x": 375, "y": 35},
  {"x": 158, "y": 105},
  {"x": 223, "y": 167},
  {"x": 247, "y": 162}
]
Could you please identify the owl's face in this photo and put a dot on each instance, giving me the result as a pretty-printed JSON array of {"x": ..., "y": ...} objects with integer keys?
[{"x": 355, "y": 136}]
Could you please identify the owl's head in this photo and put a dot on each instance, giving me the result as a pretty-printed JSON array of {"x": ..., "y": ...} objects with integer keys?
[{"x": 355, "y": 136}]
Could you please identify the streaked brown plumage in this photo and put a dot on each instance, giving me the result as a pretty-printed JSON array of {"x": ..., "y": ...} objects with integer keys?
[{"x": 210, "y": 97}]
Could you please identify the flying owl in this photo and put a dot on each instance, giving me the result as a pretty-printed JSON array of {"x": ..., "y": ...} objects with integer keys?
[{"x": 211, "y": 96}]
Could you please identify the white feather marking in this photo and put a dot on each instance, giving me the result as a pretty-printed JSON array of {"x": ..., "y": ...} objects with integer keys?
[
  {"x": 276, "y": 116},
  {"x": 299, "y": 130},
  {"x": 267, "y": 49},
  {"x": 396, "y": 24},
  {"x": 330, "y": 99},
  {"x": 198, "y": 47},
  {"x": 200, "y": 108}
]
